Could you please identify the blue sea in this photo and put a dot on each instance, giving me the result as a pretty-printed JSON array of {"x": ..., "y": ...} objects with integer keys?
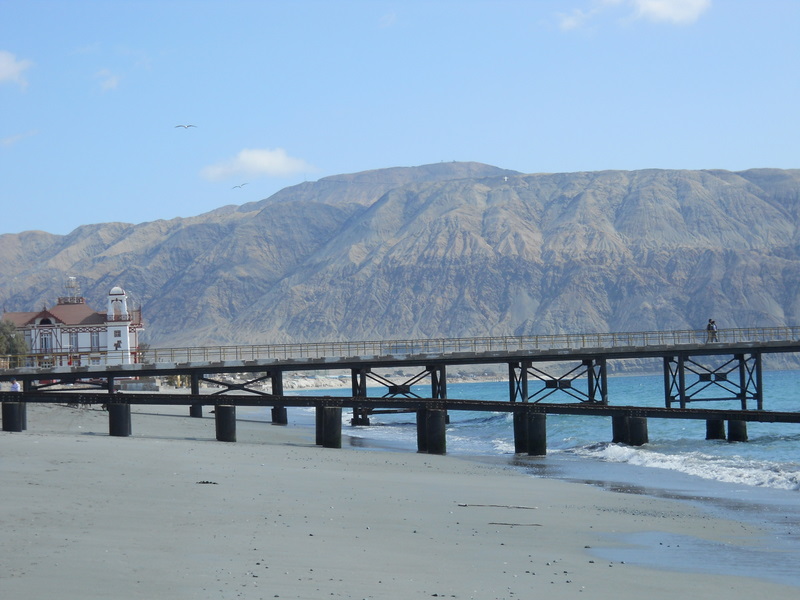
[{"x": 757, "y": 481}]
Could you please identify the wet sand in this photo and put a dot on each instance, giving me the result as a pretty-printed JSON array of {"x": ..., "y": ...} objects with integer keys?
[{"x": 172, "y": 513}]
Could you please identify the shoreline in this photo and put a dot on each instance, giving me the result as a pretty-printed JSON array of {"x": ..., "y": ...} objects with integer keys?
[
  {"x": 171, "y": 512},
  {"x": 773, "y": 510}
]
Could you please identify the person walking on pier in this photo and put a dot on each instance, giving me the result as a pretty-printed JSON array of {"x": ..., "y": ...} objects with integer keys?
[
  {"x": 711, "y": 331},
  {"x": 14, "y": 385}
]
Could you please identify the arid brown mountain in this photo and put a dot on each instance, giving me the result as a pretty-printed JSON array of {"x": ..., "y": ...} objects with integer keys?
[{"x": 444, "y": 250}]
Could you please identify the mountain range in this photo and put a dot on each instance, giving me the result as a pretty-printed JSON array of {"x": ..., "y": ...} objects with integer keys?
[{"x": 443, "y": 250}]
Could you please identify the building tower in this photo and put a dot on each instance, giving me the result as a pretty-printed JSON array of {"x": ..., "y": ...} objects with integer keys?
[{"x": 118, "y": 320}]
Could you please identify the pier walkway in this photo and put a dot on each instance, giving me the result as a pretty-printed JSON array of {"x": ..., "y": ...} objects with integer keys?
[{"x": 556, "y": 374}]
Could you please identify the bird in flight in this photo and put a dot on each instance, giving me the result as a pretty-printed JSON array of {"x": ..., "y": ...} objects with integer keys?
[
  {"x": 186, "y": 126},
  {"x": 238, "y": 186}
]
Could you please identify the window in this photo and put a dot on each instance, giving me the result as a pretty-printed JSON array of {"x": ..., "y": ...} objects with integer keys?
[
  {"x": 46, "y": 342},
  {"x": 117, "y": 333},
  {"x": 95, "y": 341},
  {"x": 73, "y": 341}
]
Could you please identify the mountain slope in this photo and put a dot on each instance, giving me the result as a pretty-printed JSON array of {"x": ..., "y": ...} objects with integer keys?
[{"x": 446, "y": 250}]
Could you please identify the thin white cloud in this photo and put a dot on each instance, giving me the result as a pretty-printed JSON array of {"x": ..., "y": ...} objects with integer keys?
[
  {"x": 12, "y": 70},
  {"x": 255, "y": 162},
  {"x": 677, "y": 12},
  {"x": 108, "y": 80},
  {"x": 388, "y": 20},
  {"x": 575, "y": 19},
  {"x": 11, "y": 140},
  {"x": 680, "y": 12}
]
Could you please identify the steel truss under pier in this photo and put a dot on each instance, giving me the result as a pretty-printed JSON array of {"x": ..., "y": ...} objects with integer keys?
[
  {"x": 738, "y": 378},
  {"x": 436, "y": 373},
  {"x": 594, "y": 369}
]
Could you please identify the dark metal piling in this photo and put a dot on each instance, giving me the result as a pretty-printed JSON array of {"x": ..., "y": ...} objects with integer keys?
[
  {"x": 737, "y": 431},
  {"x": 225, "y": 421},
  {"x": 537, "y": 434},
  {"x": 619, "y": 429},
  {"x": 520, "y": 432},
  {"x": 628, "y": 430},
  {"x": 119, "y": 419},
  {"x": 715, "y": 429},
  {"x": 435, "y": 426},
  {"x": 279, "y": 415},
  {"x": 196, "y": 409},
  {"x": 422, "y": 425},
  {"x": 637, "y": 431},
  {"x": 12, "y": 416},
  {"x": 319, "y": 421},
  {"x": 332, "y": 427}
]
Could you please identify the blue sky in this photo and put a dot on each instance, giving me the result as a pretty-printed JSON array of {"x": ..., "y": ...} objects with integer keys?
[{"x": 282, "y": 92}]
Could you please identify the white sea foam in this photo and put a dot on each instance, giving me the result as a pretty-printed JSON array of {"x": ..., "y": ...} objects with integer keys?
[
  {"x": 731, "y": 469},
  {"x": 503, "y": 446}
]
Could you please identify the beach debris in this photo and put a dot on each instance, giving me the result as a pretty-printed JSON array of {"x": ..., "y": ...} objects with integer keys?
[
  {"x": 517, "y": 525},
  {"x": 208, "y": 482}
]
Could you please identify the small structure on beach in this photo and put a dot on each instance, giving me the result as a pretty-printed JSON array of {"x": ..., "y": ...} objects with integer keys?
[{"x": 73, "y": 333}]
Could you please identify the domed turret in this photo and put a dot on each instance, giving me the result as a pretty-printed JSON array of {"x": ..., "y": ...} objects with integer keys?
[{"x": 117, "y": 305}]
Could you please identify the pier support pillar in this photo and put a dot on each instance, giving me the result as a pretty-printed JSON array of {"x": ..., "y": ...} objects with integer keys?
[
  {"x": 119, "y": 419},
  {"x": 360, "y": 417},
  {"x": 225, "y": 421},
  {"x": 196, "y": 409},
  {"x": 715, "y": 429},
  {"x": 637, "y": 431},
  {"x": 422, "y": 436},
  {"x": 737, "y": 431},
  {"x": 537, "y": 434},
  {"x": 431, "y": 426},
  {"x": 520, "y": 432},
  {"x": 619, "y": 430},
  {"x": 332, "y": 427},
  {"x": 435, "y": 431},
  {"x": 12, "y": 416},
  {"x": 27, "y": 386},
  {"x": 629, "y": 430},
  {"x": 279, "y": 415},
  {"x": 358, "y": 379},
  {"x": 319, "y": 422}
]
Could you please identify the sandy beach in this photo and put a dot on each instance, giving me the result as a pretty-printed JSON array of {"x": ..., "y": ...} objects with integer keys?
[{"x": 172, "y": 513}]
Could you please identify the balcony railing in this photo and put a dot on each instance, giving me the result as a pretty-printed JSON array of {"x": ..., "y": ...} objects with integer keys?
[{"x": 442, "y": 346}]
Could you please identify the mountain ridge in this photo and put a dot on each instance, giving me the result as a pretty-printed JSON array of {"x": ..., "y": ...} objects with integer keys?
[{"x": 443, "y": 250}]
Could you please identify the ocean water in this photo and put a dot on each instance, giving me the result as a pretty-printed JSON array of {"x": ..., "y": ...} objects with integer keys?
[
  {"x": 769, "y": 459},
  {"x": 757, "y": 481}
]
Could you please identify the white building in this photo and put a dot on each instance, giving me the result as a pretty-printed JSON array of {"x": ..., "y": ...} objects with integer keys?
[{"x": 72, "y": 333}]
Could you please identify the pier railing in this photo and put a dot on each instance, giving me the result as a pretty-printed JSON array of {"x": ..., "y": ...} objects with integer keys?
[{"x": 441, "y": 346}]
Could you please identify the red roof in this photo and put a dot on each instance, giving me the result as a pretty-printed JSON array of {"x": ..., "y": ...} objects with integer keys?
[{"x": 66, "y": 314}]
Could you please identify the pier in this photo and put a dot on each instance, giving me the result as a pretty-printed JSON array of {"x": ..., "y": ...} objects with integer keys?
[{"x": 719, "y": 382}]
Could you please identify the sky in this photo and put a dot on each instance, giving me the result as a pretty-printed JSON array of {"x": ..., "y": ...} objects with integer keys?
[{"x": 94, "y": 95}]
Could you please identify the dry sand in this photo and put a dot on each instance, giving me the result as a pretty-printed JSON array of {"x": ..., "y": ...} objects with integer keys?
[{"x": 172, "y": 513}]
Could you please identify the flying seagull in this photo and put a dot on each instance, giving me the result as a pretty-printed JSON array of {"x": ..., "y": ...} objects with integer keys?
[
  {"x": 238, "y": 186},
  {"x": 186, "y": 126}
]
